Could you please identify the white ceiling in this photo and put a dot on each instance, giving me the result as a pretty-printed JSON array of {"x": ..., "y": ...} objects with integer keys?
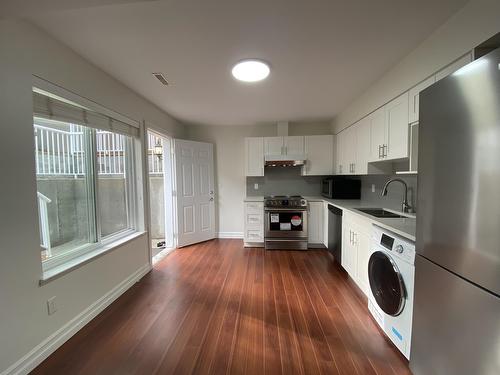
[{"x": 323, "y": 53}]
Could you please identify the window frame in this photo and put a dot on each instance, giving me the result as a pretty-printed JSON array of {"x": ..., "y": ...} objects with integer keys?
[{"x": 97, "y": 241}]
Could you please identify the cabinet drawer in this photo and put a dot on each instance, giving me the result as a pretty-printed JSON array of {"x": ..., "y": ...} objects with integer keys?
[
  {"x": 254, "y": 208},
  {"x": 254, "y": 235},
  {"x": 254, "y": 219}
]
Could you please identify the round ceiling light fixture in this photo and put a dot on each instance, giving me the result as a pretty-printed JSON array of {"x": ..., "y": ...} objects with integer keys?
[{"x": 251, "y": 70}]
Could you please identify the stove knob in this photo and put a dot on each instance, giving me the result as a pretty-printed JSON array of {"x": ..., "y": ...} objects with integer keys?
[{"x": 399, "y": 249}]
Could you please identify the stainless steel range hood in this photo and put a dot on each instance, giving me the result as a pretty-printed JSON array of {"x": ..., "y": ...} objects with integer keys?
[{"x": 285, "y": 161}]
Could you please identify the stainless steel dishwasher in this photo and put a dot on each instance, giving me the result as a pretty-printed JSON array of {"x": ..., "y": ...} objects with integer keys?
[{"x": 335, "y": 232}]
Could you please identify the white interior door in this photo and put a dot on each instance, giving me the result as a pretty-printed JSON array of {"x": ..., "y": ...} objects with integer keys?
[{"x": 194, "y": 170}]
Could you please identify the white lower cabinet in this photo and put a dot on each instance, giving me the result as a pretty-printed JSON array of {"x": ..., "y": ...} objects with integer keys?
[
  {"x": 356, "y": 248},
  {"x": 315, "y": 223},
  {"x": 325, "y": 224},
  {"x": 254, "y": 224}
]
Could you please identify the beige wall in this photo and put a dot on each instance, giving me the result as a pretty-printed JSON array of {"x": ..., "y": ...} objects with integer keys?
[
  {"x": 229, "y": 146},
  {"x": 24, "y": 322},
  {"x": 473, "y": 24}
]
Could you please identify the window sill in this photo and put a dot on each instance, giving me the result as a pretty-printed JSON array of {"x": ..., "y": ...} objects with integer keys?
[{"x": 56, "y": 272}]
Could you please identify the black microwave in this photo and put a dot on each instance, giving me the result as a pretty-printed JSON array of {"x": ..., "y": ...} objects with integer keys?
[{"x": 341, "y": 188}]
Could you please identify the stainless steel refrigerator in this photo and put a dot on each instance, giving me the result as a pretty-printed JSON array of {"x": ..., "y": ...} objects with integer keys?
[{"x": 456, "y": 318}]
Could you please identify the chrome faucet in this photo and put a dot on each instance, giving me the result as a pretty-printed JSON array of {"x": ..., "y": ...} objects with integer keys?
[{"x": 405, "y": 207}]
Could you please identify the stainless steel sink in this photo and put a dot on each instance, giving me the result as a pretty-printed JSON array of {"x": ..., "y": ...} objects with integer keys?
[{"x": 380, "y": 212}]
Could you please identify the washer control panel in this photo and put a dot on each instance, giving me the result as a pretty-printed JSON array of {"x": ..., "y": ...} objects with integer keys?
[{"x": 394, "y": 244}]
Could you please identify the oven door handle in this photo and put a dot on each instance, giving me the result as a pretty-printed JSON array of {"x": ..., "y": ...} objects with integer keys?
[{"x": 277, "y": 210}]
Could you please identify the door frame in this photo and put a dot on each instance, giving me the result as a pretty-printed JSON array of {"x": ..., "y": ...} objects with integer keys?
[{"x": 168, "y": 164}]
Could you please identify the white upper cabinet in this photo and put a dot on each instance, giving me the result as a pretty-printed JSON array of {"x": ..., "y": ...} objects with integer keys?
[
  {"x": 350, "y": 150},
  {"x": 454, "y": 66},
  {"x": 363, "y": 145},
  {"x": 389, "y": 130},
  {"x": 281, "y": 146},
  {"x": 254, "y": 156},
  {"x": 274, "y": 146},
  {"x": 414, "y": 96},
  {"x": 339, "y": 158},
  {"x": 397, "y": 128},
  {"x": 377, "y": 134},
  {"x": 319, "y": 155},
  {"x": 294, "y": 145}
]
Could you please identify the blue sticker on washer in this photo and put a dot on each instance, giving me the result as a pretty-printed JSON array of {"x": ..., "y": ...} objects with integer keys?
[{"x": 399, "y": 335}]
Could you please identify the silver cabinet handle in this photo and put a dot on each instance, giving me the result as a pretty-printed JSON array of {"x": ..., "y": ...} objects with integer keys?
[
  {"x": 379, "y": 151},
  {"x": 384, "y": 151},
  {"x": 353, "y": 167}
]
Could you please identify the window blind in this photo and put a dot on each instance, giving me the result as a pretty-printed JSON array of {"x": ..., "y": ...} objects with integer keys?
[{"x": 51, "y": 108}]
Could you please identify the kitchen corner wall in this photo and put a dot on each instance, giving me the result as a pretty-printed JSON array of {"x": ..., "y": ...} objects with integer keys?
[
  {"x": 230, "y": 180},
  {"x": 283, "y": 181},
  {"x": 476, "y": 22},
  {"x": 289, "y": 181},
  {"x": 394, "y": 192}
]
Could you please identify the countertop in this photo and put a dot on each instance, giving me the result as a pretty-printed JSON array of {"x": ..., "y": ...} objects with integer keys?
[{"x": 405, "y": 227}]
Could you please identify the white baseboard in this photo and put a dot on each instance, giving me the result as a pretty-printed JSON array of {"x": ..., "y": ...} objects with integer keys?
[
  {"x": 238, "y": 235},
  {"x": 32, "y": 359}
]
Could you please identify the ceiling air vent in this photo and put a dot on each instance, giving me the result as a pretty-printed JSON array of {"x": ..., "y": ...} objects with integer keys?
[{"x": 161, "y": 78}]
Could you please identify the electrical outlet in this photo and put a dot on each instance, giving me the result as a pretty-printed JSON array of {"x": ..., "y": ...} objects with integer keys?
[
  {"x": 373, "y": 188},
  {"x": 256, "y": 186},
  {"x": 51, "y": 305}
]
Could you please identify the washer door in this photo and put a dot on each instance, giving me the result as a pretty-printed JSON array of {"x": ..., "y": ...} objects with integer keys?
[{"x": 386, "y": 283}]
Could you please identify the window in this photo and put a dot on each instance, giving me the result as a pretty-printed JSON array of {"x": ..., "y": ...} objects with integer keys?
[
  {"x": 112, "y": 182},
  {"x": 85, "y": 185}
]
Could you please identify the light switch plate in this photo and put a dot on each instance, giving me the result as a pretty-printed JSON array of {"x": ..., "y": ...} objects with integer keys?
[
  {"x": 373, "y": 188},
  {"x": 256, "y": 186},
  {"x": 51, "y": 305}
]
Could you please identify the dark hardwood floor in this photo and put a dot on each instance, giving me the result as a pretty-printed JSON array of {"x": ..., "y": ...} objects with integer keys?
[{"x": 221, "y": 309}]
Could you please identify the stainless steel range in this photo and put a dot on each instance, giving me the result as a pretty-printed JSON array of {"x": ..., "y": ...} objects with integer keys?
[{"x": 285, "y": 223}]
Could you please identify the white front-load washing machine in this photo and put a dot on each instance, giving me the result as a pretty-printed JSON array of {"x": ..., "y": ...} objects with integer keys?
[{"x": 391, "y": 273}]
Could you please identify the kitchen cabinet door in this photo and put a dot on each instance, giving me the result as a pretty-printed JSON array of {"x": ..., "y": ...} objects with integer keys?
[
  {"x": 377, "y": 134},
  {"x": 273, "y": 146},
  {"x": 325, "y": 224},
  {"x": 319, "y": 155},
  {"x": 315, "y": 223},
  {"x": 454, "y": 66},
  {"x": 349, "y": 256},
  {"x": 363, "y": 144},
  {"x": 397, "y": 128},
  {"x": 350, "y": 149},
  {"x": 254, "y": 224},
  {"x": 363, "y": 251},
  {"x": 294, "y": 146},
  {"x": 339, "y": 160},
  {"x": 254, "y": 156},
  {"x": 414, "y": 95}
]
